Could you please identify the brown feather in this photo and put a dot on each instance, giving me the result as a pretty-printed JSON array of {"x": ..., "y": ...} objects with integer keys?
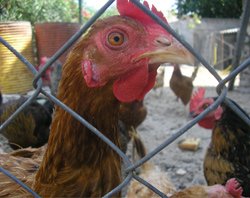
[
  {"x": 22, "y": 163},
  {"x": 149, "y": 172},
  {"x": 181, "y": 85}
]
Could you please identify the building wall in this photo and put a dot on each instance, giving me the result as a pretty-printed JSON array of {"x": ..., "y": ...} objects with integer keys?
[{"x": 201, "y": 36}]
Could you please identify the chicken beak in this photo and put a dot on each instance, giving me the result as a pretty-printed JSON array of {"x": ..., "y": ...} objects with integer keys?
[{"x": 173, "y": 53}]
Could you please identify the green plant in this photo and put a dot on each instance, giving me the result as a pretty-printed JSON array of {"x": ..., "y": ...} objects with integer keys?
[
  {"x": 210, "y": 8},
  {"x": 39, "y": 10}
]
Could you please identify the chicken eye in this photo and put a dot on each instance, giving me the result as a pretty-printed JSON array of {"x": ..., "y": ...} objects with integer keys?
[
  {"x": 205, "y": 106},
  {"x": 116, "y": 39}
]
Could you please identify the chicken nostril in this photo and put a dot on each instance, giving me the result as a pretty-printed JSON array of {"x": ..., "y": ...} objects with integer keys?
[{"x": 163, "y": 41}]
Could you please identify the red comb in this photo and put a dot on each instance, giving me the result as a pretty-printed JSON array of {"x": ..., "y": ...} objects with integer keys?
[
  {"x": 196, "y": 98},
  {"x": 127, "y": 8}
]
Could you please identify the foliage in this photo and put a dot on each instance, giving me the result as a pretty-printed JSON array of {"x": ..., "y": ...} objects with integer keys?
[
  {"x": 39, "y": 10},
  {"x": 111, "y": 11},
  {"x": 88, "y": 12},
  {"x": 210, "y": 8}
]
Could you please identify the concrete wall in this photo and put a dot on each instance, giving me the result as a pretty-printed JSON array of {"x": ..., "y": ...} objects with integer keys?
[
  {"x": 201, "y": 37},
  {"x": 245, "y": 74}
]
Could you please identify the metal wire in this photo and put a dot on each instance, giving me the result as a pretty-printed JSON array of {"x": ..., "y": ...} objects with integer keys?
[{"x": 129, "y": 167}]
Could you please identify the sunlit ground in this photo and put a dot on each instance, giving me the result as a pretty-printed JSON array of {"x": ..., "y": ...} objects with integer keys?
[{"x": 203, "y": 77}]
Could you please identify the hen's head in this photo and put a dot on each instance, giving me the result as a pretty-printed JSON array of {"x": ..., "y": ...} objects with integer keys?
[
  {"x": 199, "y": 103},
  {"x": 127, "y": 50}
]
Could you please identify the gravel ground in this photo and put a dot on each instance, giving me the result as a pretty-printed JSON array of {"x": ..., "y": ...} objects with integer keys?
[{"x": 165, "y": 117}]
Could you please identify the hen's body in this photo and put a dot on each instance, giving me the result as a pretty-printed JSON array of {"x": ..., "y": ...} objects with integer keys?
[
  {"x": 68, "y": 164},
  {"x": 116, "y": 61},
  {"x": 30, "y": 127},
  {"x": 181, "y": 85},
  {"x": 228, "y": 154}
]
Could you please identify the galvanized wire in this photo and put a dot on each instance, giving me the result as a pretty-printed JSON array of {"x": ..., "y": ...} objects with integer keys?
[{"x": 129, "y": 167}]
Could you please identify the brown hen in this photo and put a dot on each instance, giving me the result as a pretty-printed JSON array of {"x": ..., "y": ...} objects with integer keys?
[
  {"x": 116, "y": 61},
  {"x": 181, "y": 85}
]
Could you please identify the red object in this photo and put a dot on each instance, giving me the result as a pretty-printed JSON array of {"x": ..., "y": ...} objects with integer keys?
[
  {"x": 199, "y": 103},
  {"x": 234, "y": 188},
  {"x": 50, "y": 37},
  {"x": 197, "y": 97},
  {"x": 126, "y": 8}
]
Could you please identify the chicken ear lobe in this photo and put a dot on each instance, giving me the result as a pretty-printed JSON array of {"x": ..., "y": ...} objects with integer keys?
[{"x": 90, "y": 74}]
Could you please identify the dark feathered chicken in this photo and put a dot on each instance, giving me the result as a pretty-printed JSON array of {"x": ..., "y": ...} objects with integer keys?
[
  {"x": 30, "y": 127},
  {"x": 159, "y": 179},
  {"x": 228, "y": 154}
]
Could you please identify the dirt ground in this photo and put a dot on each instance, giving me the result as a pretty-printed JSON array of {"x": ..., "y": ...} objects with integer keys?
[{"x": 165, "y": 117}]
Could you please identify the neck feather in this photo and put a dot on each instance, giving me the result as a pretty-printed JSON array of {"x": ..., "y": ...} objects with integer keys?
[{"x": 72, "y": 147}]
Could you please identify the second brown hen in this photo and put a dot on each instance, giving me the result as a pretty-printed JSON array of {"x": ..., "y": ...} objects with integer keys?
[{"x": 181, "y": 85}]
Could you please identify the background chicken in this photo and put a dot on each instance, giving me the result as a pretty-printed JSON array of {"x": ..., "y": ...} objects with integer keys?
[
  {"x": 52, "y": 75},
  {"x": 181, "y": 85},
  {"x": 228, "y": 154},
  {"x": 30, "y": 127},
  {"x": 116, "y": 61}
]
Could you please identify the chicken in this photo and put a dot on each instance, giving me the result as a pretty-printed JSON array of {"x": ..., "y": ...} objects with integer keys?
[
  {"x": 116, "y": 61},
  {"x": 232, "y": 189},
  {"x": 52, "y": 75},
  {"x": 46, "y": 76},
  {"x": 181, "y": 85},
  {"x": 23, "y": 163},
  {"x": 159, "y": 179},
  {"x": 149, "y": 172},
  {"x": 30, "y": 127},
  {"x": 228, "y": 154}
]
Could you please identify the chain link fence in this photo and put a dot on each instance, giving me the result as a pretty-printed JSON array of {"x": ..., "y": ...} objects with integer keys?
[{"x": 129, "y": 167}]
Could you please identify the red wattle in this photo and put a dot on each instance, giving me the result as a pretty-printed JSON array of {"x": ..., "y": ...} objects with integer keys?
[{"x": 134, "y": 85}]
